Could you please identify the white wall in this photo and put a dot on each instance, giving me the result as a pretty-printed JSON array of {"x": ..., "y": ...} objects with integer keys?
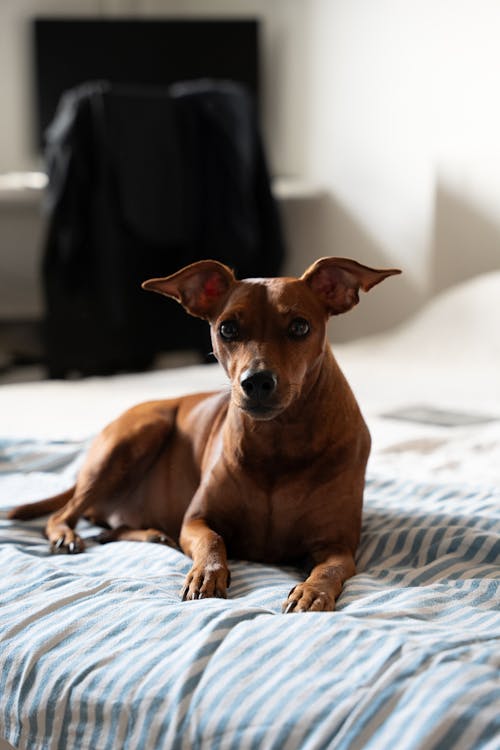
[{"x": 405, "y": 135}]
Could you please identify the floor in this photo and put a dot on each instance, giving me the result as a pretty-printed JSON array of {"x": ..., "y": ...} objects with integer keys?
[
  {"x": 21, "y": 354},
  {"x": 21, "y": 351}
]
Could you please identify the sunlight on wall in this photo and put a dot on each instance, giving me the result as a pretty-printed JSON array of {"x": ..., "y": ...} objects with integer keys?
[{"x": 404, "y": 102}]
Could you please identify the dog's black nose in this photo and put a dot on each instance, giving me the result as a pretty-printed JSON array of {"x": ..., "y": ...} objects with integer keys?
[{"x": 258, "y": 385}]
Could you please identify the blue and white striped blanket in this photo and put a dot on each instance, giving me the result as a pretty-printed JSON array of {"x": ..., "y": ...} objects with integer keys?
[{"x": 97, "y": 650}]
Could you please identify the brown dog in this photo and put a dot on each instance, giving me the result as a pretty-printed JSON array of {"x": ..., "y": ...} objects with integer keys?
[{"x": 272, "y": 471}]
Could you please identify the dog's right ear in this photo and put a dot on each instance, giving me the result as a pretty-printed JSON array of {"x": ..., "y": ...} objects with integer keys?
[{"x": 201, "y": 288}]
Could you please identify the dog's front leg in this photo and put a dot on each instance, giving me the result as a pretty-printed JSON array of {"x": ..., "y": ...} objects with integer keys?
[
  {"x": 209, "y": 576},
  {"x": 321, "y": 589}
]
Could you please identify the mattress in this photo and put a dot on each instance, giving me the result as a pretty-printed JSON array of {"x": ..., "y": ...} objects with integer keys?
[{"x": 98, "y": 651}]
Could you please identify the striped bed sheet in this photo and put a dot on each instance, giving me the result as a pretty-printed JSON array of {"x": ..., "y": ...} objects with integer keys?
[{"x": 98, "y": 652}]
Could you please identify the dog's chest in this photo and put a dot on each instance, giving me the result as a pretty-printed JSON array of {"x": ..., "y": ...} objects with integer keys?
[{"x": 266, "y": 527}]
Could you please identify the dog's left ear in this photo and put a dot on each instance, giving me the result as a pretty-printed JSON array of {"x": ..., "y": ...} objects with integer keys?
[
  {"x": 201, "y": 288},
  {"x": 337, "y": 281}
]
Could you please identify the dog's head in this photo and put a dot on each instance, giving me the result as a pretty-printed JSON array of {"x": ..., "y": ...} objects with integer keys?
[{"x": 269, "y": 334}]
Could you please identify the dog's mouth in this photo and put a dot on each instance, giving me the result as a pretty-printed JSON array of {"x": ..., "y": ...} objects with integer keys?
[{"x": 260, "y": 411}]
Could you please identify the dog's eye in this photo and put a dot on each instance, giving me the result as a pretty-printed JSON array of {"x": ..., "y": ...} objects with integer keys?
[
  {"x": 298, "y": 328},
  {"x": 229, "y": 330}
]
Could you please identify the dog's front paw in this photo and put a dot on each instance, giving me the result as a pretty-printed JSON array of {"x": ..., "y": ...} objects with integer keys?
[
  {"x": 306, "y": 597},
  {"x": 67, "y": 543},
  {"x": 204, "y": 582}
]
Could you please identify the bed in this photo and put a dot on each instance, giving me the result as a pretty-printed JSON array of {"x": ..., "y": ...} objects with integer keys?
[{"x": 98, "y": 651}]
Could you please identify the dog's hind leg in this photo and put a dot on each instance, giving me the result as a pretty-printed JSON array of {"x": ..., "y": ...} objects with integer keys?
[
  {"x": 125, "y": 533},
  {"x": 117, "y": 460}
]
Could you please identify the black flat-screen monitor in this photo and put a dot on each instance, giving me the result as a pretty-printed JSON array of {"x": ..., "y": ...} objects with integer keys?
[{"x": 70, "y": 51}]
